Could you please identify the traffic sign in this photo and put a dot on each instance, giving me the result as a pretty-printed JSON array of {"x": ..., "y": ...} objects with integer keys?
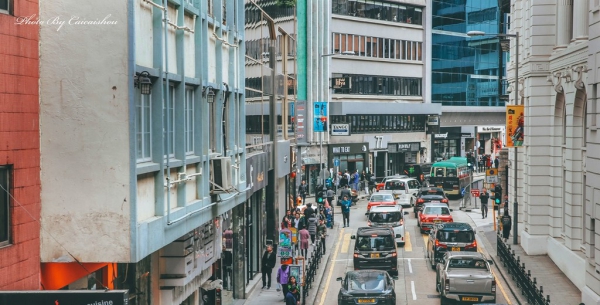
[
  {"x": 491, "y": 179},
  {"x": 491, "y": 172},
  {"x": 336, "y": 162},
  {"x": 475, "y": 192}
]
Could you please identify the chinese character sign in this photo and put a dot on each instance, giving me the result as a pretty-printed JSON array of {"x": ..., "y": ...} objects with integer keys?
[
  {"x": 515, "y": 129},
  {"x": 320, "y": 116}
]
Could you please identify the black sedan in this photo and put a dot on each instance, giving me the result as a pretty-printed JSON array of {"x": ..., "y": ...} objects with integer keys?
[
  {"x": 367, "y": 287},
  {"x": 429, "y": 194}
]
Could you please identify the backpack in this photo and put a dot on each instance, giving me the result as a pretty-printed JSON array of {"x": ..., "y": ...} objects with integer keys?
[{"x": 506, "y": 220}]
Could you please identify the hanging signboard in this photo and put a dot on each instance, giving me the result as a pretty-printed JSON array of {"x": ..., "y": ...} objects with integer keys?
[{"x": 515, "y": 129}]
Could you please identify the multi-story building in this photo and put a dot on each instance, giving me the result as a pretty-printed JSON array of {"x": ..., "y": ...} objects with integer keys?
[
  {"x": 558, "y": 177},
  {"x": 379, "y": 85},
  {"x": 19, "y": 147},
  {"x": 467, "y": 76},
  {"x": 143, "y": 150}
]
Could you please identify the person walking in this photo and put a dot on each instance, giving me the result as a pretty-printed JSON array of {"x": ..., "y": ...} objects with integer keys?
[
  {"x": 322, "y": 233},
  {"x": 308, "y": 211},
  {"x": 293, "y": 295},
  {"x": 484, "y": 197},
  {"x": 346, "y": 204},
  {"x": 497, "y": 162},
  {"x": 303, "y": 190},
  {"x": 330, "y": 195},
  {"x": 304, "y": 241},
  {"x": 268, "y": 263},
  {"x": 344, "y": 192},
  {"x": 312, "y": 223},
  {"x": 506, "y": 221},
  {"x": 283, "y": 275}
]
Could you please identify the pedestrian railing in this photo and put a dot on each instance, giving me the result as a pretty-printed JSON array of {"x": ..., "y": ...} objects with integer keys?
[
  {"x": 311, "y": 270},
  {"x": 516, "y": 269}
]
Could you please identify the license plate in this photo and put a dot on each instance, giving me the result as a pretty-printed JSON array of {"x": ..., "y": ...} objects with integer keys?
[
  {"x": 435, "y": 201},
  {"x": 374, "y": 255},
  {"x": 366, "y": 300},
  {"x": 455, "y": 248},
  {"x": 470, "y": 299},
  {"x": 437, "y": 220},
  {"x": 440, "y": 186}
]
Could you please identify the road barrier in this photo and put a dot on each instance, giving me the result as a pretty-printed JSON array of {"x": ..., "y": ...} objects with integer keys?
[
  {"x": 311, "y": 270},
  {"x": 523, "y": 278}
]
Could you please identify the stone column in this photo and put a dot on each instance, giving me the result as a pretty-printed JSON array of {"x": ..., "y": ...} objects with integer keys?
[
  {"x": 580, "y": 20},
  {"x": 564, "y": 22},
  {"x": 239, "y": 252}
]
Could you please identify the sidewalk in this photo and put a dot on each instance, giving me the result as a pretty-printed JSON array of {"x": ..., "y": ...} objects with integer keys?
[
  {"x": 260, "y": 296},
  {"x": 561, "y": 290}
]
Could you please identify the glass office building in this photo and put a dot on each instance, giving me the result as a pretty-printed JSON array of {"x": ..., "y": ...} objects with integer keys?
[{"x": 465, "y": 70}]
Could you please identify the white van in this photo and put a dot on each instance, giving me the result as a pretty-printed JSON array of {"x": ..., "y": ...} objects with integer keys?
[
  {"x": 391, "y": 216},
  {"x": 404, "y": 190}
]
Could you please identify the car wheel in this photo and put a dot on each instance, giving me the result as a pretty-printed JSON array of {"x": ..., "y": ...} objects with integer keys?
[{"x": 412, "y": 202}]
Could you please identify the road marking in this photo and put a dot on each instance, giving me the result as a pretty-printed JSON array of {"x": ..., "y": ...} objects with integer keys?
[
  {"x": 407, "y": 244},
  {"x": 425, "y": 239},
  {"x": 346, "y": 243},
  {"x": 335, "y": 253},
  {"x": 409, "y": 266},
  {"x": 412, "y": 289},
  {"x": 343, "y": 260}
]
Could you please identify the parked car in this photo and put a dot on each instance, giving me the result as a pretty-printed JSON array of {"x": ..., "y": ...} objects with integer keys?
[
  {"x": 465, "y": 277},
  {"x": 429, "y": 194},
  {"x": 367, "y": 287},
  {"x": 375, "y": 249},
  {"x": 454, "y": 236},
  {"x": 433, "y": 214},
  {"x": 380, "y": 199},
  {"x": 390, "y": 216},
  {"x": 381, "y": 182}
]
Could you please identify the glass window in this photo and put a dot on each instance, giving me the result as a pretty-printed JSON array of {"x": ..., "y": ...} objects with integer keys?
[
  {"x": 4, "y": 206},
  {"x": 169, "y": 127},
  {"x": 189, "y": 121},
  {"x": 143, "y": 117},
  {"x": 4, "y": 6}
]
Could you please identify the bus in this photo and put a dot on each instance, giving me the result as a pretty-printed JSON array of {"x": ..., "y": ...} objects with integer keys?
[{"x": 451, "y": 175}]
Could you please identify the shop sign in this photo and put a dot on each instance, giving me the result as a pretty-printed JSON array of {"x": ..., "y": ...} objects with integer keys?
[
  {"x": 91, "y": 297},
  {"x": 349, "y": 148},
  {"x": 340, "y": 129},
  {"x": 515, "y": 122},
  {"x": 466, "y": 135},
  {"x": 433, "y": 120},
  {"x": 404, "y": 147},
  {"x": 300, "y": 117},
  {"x": 256, "y": 172},
  {"x": 484, "y": 129},
  {"x": 340, "y": 83},
  {"x": 441, "y": 135}
]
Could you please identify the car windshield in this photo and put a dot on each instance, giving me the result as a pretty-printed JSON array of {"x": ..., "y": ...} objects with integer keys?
[
  {"x": 433, "y": 192},
  {"x": 467, "y": 263},
  {"x": 455, "y": 237},
  {"x": 436, "y": 210},
  {"x": 394, "y": 185},
  {"x": 432, "y": 197},
  {"x": 385, "y": 217},
  {"x": 413, "y": 184},
  {"x": 380, "y": 198},
  {"x": 375, "y": 243},
  {"x": 372, "y": 281}
]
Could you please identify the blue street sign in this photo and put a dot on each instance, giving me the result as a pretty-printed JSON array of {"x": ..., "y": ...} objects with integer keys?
[
  {"x": 320, "y": 111},
  {"x": 336, "y": 162}
]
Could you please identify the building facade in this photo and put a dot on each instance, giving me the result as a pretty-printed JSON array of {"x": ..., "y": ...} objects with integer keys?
[
  {"x": 19, "y": 147},
  {"x": 467, "y": 75},
  {"x": 143, "y": 147},
  {"x": 379, "y": 86},
  {"x": 558, "y": 180}
]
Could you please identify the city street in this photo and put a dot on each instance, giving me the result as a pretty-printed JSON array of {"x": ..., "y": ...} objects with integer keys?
[{"x": 415, "y": 284}]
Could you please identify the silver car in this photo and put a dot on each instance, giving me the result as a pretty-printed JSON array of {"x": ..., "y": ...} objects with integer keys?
[{"x": 391, "y": 217}]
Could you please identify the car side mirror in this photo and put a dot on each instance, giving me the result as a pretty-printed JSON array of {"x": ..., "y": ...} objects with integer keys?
[
  {"x": 491, "y": 262},
  {"x": 451, "y": 210},
  {"x": 367, "y": 213},
  {"x": 353, "y": 237},
  {"x": 339, "y": 279},
  {"x": 405, "y": 212},
  {"x": 395, "y": 278}
]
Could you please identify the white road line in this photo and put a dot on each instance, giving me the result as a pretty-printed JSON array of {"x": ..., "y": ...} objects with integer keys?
[
  {"x": 343, "y": 260},
  {"x": 412, "y": 289},
  {"x": 409, "y": 266}
]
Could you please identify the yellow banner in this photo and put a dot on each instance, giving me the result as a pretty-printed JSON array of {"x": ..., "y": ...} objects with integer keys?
[{"x": 515, "y": 129}]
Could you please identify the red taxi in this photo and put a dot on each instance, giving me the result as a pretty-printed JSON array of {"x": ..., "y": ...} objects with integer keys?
[
  {"x": 433, "y": 214},
  {"x": 380, "y": 199},
  {"x": 429, "y": 194}
]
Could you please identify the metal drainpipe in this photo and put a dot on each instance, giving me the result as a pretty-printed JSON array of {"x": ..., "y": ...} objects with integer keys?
[
  {"x": 226, "y": 93},
  {"x": 166, "y": 63}
]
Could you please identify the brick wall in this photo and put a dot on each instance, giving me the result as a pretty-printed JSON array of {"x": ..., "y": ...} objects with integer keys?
[{"x": 19, "y": 145}]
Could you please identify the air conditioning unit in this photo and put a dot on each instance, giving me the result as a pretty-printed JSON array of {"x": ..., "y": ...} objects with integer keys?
[{"x": 220, "y": 175}]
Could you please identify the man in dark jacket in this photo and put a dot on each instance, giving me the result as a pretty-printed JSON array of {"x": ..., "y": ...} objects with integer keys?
[
  {"x": 345, "y": 192},
  {"x": 268, "y": 263},
  {"x": 484, "y": 197},
  {"x": 303, "y": 190}
]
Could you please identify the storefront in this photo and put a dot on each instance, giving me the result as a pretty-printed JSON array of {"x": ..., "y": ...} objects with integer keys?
[
  {"x": 446, "y": 143},
  {"x": 309, "y": 170},
  {"x": 490, "y": 139},
  {"x": 351, "y": 156},
  {"x": 400, "y": 154}
]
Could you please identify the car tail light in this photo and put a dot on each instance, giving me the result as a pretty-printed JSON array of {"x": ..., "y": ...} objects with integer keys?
[
  {"x": 447, "y": 285},
  {"x": 420, "y": 200},
  {"x": 355, "y": 255},
  {"x": 493, "y": 285},
  {"x": 401, "y": 222},
  {"x": 394, "y": 254},
  {"x": 472, "y": 245},
  {"x": 445, "y": 200},
  {"x": 437, "y": 244},
  {"x": 369, "y": 223}
]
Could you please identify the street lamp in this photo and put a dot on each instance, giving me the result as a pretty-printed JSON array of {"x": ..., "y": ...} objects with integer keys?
[{"x": 515, "y": 203}]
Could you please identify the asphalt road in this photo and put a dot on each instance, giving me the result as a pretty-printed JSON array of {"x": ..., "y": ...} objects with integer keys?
[{"x": 416, "y": 278}]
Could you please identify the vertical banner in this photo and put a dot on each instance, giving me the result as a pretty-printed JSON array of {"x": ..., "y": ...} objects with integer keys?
[
  {"x": 300, "y": 118},
  {"x": 320, "y": 116},
  {"x": 515, "y": 120}
]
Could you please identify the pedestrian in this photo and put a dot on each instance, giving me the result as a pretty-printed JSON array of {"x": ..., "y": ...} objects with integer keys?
[
  {"x": 484, "y": 197},
  {"x": 304, "y": 241},
  {"x": 506, "y": 221},
  {"x": 288, "y": 218},
  {"x": 308, "y": 211},
  {"x": 312, "y": 223},
  {"x": 303, "y": 190},
  {"x": 355, "y": 178},
  {"x": 345, "y": 192},
  {"x": 497, "y": 162},
  {"x": 227, "y": 260},
  {"x": 268, "y": 263},
  {"x": 293, "y": 295},
  {"x": 330, "y": 195},
  {"x": 283, "y": 275},
  {"x": 298, "y": 221},
  {"x": 489, "y": 162},
  {"x": 322, "y": 233},
  {"x": 346, "y": 204}
]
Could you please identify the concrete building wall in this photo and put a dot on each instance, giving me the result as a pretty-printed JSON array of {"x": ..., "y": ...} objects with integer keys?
[
  {"x": 85, "y": 140},
  {"x": 19, "y": 146}
]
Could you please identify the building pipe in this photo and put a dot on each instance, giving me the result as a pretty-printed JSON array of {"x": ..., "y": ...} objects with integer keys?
[{"x": 167, "y": 102}]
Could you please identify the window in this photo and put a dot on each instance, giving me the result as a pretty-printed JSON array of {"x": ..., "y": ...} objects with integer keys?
[
  {"x": 143, "y": 117},
  {"x": 378, "y": 10},
  {"x": 381, "y": 85},
  {"x": 5, "y": 6},
  {"x": 4, "y": 206},
  {"x": 381, "y": 123},
  {"x": 189, "y": 121},
  {"x": 169, "y": 123}
]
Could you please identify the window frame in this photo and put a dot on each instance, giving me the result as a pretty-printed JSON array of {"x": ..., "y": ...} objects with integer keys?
[
  {"x": 8, "y": 9},
  {"x": 142, "y": 117},
  {"x": 189, "y": 125},
  {"x": 166, "y": 112},
  {"x": 5, "y": 174}
]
